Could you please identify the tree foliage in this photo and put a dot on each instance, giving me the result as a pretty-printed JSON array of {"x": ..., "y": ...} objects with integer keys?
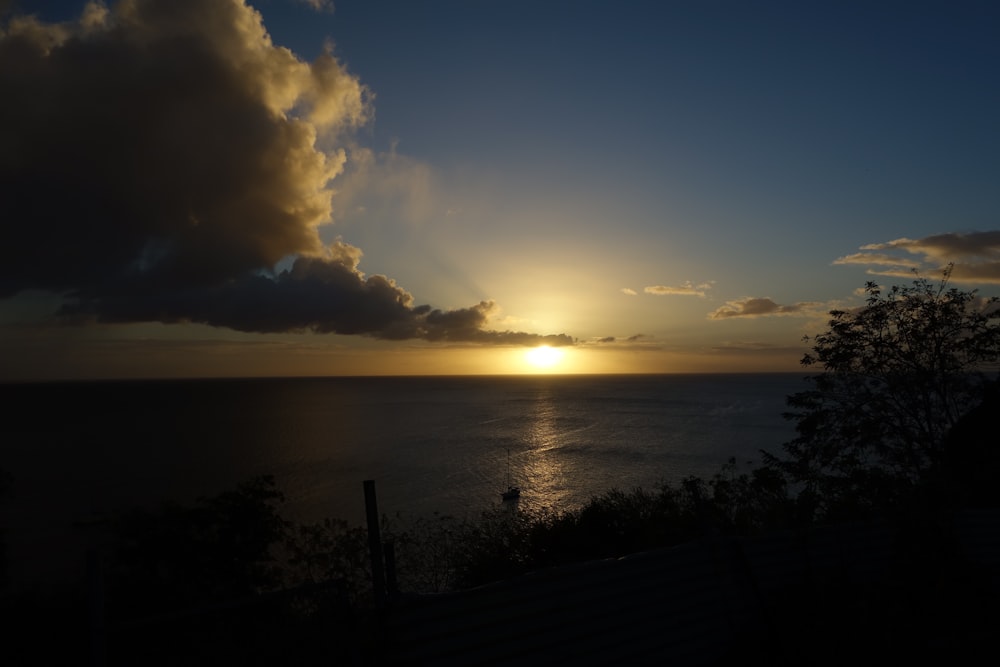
[
  {"x": 222, "y": 548},
  {"x": 897, "y": 375}
]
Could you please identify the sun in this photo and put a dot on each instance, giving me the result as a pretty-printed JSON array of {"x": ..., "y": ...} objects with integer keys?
[{"x": 543, "y": 356}]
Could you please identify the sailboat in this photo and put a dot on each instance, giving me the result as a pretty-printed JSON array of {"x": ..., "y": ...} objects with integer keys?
[{"x": 512, "y": 492}]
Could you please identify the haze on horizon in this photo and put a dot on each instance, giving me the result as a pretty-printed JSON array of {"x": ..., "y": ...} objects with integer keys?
[{"x": 291, "y": 187}]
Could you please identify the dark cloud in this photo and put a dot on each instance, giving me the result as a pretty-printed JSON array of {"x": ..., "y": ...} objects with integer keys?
[
  {"x": 155, "y": 141},
  {"x": 161, "y": 158},
  {"x": 948, "y": 247},
  {"x": 634, "y": 342},
  {"x": 326, "y": 295}
]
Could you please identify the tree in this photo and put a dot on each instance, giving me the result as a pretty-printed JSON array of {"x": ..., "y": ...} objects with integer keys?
[
  {"x": 221, "y": 549},
  {"x": 897, "y": 375}
]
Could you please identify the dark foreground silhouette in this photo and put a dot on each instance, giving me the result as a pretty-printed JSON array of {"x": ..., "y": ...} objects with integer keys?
[{"x": 711, "y": 572}]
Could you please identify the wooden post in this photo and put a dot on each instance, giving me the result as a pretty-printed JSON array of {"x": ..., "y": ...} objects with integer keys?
[
  {"x": 98, "y": 623},
  {"x": 392, "y": 586},
  {"x": 375, "y": 544}
]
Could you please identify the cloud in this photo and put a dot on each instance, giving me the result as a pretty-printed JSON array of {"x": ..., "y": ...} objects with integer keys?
[
  {"x": 164, "y": 157},
  {"x": 629, "y": 291},
  {"x": 158, "y": 139},
  {"x": 634, "y": 342},
  {"x": 319, "y": 5},
  {"x": 866, "y": 258},
  {"x": 975, "y": 256},
  {"x": 684, "y": 289},
  {"x": 761, "y": 307}
]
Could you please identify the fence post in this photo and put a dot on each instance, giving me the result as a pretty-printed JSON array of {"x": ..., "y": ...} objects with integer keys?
[
  {"x": 391, "y": 584},
  {"x": 98, "y": 622},
  {"x": 375, "y": 544}
]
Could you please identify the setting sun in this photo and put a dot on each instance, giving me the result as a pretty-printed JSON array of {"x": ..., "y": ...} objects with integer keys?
[{"x": 544, "y": 356}]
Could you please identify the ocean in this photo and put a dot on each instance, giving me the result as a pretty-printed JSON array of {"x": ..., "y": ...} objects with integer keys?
[{"x": 78, "y": 452}]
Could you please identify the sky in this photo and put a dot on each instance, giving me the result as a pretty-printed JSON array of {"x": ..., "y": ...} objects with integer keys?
[{"x": 194, "y": 188}]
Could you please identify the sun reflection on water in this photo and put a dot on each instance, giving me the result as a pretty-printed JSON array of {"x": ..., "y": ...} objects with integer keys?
[{"x": 545, "y": 478}]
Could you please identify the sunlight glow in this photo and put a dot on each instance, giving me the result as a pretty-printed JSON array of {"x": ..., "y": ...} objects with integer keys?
[{"x": 544, "y": 356}]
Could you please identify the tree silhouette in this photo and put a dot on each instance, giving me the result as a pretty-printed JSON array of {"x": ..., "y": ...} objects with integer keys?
[
  {"x": 897, "y": 375},
  {"x": 222, "y": 548}
]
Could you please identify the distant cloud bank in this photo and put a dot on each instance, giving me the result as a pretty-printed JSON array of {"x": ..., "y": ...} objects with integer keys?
[
  {"x": 163, "y": 158},
  {"x": 975, "y": 256}
]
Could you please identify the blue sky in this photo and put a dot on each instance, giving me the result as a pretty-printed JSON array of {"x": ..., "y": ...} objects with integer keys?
[{"x": 674, "y": 186}]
